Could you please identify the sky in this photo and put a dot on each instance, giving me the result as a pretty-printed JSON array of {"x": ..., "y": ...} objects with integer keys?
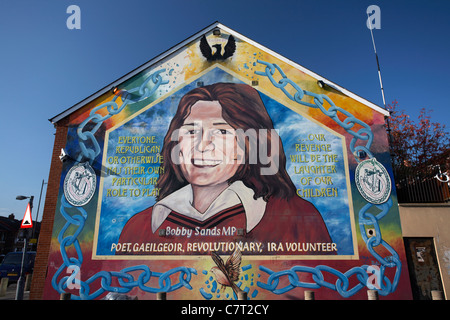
[{"x": 46, "y": 68}]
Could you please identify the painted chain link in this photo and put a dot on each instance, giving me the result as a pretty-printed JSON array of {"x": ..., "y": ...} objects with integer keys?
[
  {"x": 128, "y": 97},
  {"x": 73, "y": 264},
  {"x": 364, "y": 133},
  {"x": 366, "y": 219}
]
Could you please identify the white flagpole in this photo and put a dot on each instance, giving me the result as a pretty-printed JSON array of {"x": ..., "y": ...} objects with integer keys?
[{"x": 378, "y": 63}]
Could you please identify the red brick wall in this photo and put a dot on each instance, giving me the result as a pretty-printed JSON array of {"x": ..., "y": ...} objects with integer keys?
[{"x": 43, "y": 249}]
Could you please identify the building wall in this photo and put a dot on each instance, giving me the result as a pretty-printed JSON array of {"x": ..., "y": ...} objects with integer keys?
[
  {"x": 430, "y": 221},
  {"x": 338, "y": 233},
  {"x": 48, "y": 216}
]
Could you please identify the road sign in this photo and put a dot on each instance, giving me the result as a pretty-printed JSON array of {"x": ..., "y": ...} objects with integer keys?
[{"x": 27, "y": 222}]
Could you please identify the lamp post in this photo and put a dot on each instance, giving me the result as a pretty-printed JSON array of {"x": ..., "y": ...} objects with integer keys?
[
  {"x": 21, "y": 282},
  {"x": 37, "y": 213}
]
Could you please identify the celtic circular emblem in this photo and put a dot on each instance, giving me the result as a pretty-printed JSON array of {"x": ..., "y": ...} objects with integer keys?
[
  {"x": 79, "y": 184},
  {"x": 373, "y": 181}
]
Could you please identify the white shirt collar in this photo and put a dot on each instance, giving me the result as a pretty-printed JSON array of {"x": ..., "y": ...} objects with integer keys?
[{"x": 180, "y": 201}]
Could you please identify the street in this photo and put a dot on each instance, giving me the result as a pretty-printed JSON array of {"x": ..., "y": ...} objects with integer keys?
[{"x": 11, "y": 293}]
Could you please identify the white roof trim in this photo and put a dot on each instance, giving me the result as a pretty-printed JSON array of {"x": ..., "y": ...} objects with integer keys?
[{"x": 192, "y": 38}]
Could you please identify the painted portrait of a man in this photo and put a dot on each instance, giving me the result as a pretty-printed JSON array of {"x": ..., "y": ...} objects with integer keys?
[{"x": 224, "y": 167}]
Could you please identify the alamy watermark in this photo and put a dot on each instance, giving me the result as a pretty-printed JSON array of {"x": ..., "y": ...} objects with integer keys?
[
  {"x": 74, "y": 20},
  {"x": 374, "y": 279},
  {"x": 74, "y": 280},
  {"x": 211, "y": 149},
  {"x": 373, "y": 17}
]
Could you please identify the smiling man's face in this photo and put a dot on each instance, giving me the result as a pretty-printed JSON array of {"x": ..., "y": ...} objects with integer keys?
[{"x": 208, "y": 146}]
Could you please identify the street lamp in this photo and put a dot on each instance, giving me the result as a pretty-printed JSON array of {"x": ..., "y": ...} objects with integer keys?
[
  {"x": 33, "y": 236},
  {"x": 21, "y": 282}
]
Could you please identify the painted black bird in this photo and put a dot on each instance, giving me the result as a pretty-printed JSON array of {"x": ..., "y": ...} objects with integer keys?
[
  {"x": 206, "y": 49},
  {"x": 227, "y": 273}
]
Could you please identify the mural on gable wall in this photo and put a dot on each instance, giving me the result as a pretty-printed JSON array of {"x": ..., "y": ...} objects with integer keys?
[{"x": 226, "y": 168}]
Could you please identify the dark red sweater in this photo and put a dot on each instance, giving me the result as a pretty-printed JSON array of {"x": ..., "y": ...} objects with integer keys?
[{"x": 296, "y": 221}]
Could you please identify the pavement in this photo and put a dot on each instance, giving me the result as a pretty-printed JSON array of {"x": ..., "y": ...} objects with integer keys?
[{"x": 11, "y": 293}]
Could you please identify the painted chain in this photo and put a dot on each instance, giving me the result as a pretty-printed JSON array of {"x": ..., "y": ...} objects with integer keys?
[
  {"x": 366, "y": 219},
  {"x": 124, "y": 277},
  {"x": 128, "y": 97},
  {"x": 365, "y": 133}
]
